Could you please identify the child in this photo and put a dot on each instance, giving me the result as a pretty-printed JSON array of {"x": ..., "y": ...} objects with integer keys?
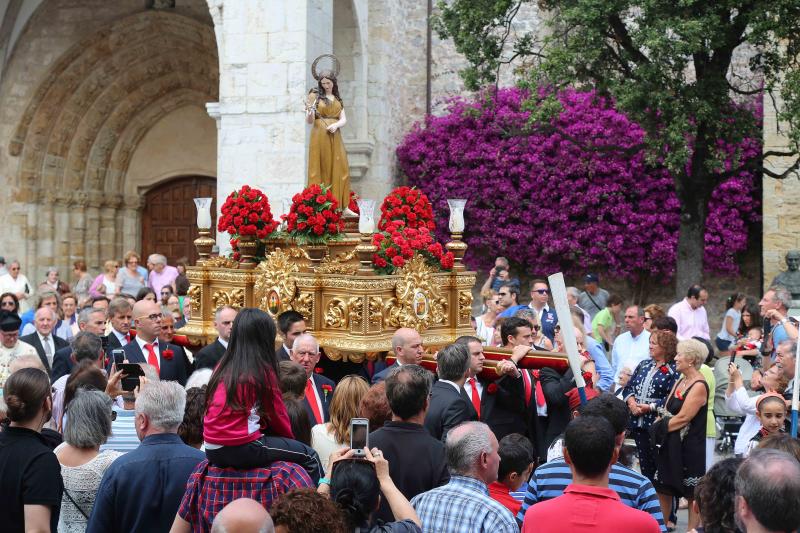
[
  {"x": 771, "y": 412},
  {"x": 750, "y": 346},
  {"x": 244, "y": 401},
  {"x": 739, "y": 401},
  {"x": 516, "y": 465}
]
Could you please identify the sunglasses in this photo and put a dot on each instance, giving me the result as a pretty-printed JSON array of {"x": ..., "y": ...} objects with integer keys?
[{"x": 542, "y": 291}]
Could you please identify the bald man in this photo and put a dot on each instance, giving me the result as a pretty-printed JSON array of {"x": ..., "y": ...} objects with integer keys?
[
  {"x": 408, "y": 350},
  {"x": 146, "y": 347},
  {"x": 243, "y": 516}
]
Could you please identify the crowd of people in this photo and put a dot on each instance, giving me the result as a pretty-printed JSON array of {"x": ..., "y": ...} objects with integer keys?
[{"x": 114, "y": 425}]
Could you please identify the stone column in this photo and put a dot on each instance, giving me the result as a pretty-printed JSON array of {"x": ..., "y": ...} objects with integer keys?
[{"x": 266, "y": 48}]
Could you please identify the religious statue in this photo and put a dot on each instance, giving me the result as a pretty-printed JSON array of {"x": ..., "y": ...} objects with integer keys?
[
  {"x": 790, "y": 278},
  {"x": 327, "y": 157}
]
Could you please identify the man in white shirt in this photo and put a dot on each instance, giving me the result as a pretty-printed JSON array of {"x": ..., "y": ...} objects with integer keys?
[
  {"x": 319, "y": 389},
  {"x": 633, "y": 346}
]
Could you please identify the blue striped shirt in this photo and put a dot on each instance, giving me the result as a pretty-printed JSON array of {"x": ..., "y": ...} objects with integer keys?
[
  {"x": 549, "y": 481},
  {"x": 462, "y": 506},
  {"x": 123, "y": 432}
]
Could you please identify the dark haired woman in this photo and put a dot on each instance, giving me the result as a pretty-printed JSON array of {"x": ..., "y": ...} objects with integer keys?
[
  {"x": 246, "y": 425},
  {"x": 9, "y": 302},
  {"x": 730, "y": 322},
  {"x": 714, "y": 497},
  {"x": 356, "y": 486},
  {"x": 30, "y": 476},
  {"x": 327, "y": 157}
]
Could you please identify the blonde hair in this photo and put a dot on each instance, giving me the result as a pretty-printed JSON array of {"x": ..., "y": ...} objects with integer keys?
[
  {"x": 695, "y": 350},
  {"x": 344, "y": 406},
  {"x": 130, "y": 254},
  {"x": 110, "y": 265}
]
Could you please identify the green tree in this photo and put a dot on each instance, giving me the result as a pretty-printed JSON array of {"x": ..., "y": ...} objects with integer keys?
[{"x": 674, "y": 66}]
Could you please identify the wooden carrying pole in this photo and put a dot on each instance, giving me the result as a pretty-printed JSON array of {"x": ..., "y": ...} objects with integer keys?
[{"x": 559, "y": 292}]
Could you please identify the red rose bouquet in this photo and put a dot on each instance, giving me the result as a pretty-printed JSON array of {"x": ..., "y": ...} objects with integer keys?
[
  {"x": 407, "y": 205},
  {"x": 246, "y": 212},
  {"x": 397, "y": 244},
  {"x": 314, "y": 217}
]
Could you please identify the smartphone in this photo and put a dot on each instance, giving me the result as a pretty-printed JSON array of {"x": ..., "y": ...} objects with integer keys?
[
  {"x": 130, "y": 375},
  {"x": 359, "y": 436},
  {"x": 117, "y": 356}
]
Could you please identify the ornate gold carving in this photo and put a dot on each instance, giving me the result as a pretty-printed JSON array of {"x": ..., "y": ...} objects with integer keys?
[
  {"x": 221, "y": 262},
  {"x": 338, "y": 264},
  {"x": 421, "y": 304},
  {"x": 375, "y": 312},
  {"x": 233, "y": 298},
  {"x": 336, "y": 314},
  {"x": 304, "y": 304},
  {"x": 275, "y": 285},
  {"x": 195, "y": 293},
  {"x": 355, "y": 315},
  {"x": 464, "y": 306}
]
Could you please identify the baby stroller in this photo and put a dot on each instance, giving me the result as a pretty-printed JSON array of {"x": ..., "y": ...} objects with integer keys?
[{"x": 727, "y": 421}]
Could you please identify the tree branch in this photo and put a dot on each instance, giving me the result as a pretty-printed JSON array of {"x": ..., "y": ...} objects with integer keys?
[{"x": 622, "y": 37}]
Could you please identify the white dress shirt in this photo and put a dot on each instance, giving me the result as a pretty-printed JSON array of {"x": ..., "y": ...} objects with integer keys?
[
  {"x": 316, "y": 397},
  {"x": 141, "y": 342},
  {"x": 48, "y": 343}
]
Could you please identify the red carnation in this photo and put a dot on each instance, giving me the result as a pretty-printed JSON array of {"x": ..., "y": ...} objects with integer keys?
[
  {"x": 317, "y": 370},
  {"x": 491, "y": 388},
  {"x": 664, "y": 369},
  {"x": 398, "y": 261},
  {"x": 380, "y": 261},
  {"x": 320, "y": 199},
  {"x": 167, "y": 354}
]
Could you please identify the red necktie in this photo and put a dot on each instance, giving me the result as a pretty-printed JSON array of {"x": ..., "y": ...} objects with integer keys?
[
  {"x": 476, "y": 398},
  {"x": 540, "y": 401},
  {"x": 311, "y": 398},
  {"x": 152, "y": 358},
  {"x": 127, "y": 337},
  {"x": 526, "y": 380}
]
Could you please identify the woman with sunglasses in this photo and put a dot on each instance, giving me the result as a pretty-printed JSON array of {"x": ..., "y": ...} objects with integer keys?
[
  {"x": 9, "y": 302},
  {"x": 356, "y": 485},
  {"x": 484, "y": 324}
]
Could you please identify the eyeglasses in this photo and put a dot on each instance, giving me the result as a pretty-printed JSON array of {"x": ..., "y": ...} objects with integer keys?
[
  {"x": 153, "y": 317},
  {"x": 542, "y": 291},
  {"x": 166, "y": 293}
]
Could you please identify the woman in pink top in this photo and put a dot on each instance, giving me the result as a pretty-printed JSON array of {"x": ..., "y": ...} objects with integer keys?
[{"x": 244, "y": 400}]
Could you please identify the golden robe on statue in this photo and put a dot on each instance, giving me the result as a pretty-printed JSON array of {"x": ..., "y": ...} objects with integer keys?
[{"x": 327, "y": 157}]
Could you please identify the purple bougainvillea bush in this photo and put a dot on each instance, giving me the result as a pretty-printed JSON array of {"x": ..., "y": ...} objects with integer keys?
[{"x": 577, "y": 196}]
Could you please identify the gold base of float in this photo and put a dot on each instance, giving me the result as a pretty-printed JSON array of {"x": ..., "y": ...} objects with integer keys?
[{"x": 351, "y": 311}]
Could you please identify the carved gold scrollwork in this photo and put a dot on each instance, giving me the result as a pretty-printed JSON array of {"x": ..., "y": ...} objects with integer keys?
[
  {"x": 194, "y": 293},
  {"x": 419, "y": 300},
  {"x": 336, "y": 313},
  {"x": 355, "y": 315},
  {"x": 375, "y": 312},
  {"x": 464, "y": 306},
  {"x": 338, "y": 264},
  {"x": 275, "y": 285},
  {"x": 221, "y": 261},
  {"x": 304, "y": 304},
  {"x": 233, "y": 298}
]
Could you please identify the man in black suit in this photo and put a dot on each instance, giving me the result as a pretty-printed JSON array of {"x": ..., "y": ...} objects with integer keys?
[
  {"x": 449, "y": 405},
  {"x": 210, "y": 354},
  {"x": 417, "y": 461},
  {"x": 89, "y": 319},
  {"x": 291, "y": 324},
  {"x": 408, "y": 350},
  {"x": 500, "y": 403},
  {"x": 44, "y": 342},
  {"x": 319, "y": 389},
  {"x": 146, "y": 348},
  {"x": 119, "y": 314}
]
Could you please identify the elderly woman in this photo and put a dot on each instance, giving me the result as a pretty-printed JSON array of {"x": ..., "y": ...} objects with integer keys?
[
  {"x": 17, "y": 284},
  {"x": 129, "y": 280},
  {"x": 680, "y": 434},
  {"x": 647, "y": 390},
  {"x": 161, "y": 275},
  {"x": 82, "y": 463},
  {"x": 106, "y": 283},
  {"x": 53, "y": 283},
  {"x": 331, "y": 436}
]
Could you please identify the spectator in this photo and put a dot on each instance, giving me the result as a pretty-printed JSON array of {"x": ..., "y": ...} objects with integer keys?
[
  {"x": 516, "y": 465},
  {"x": 90, "y": 321},
  {"x": 622, "y": 381},
  {"x": 124, "y": 437},
  {"x": 67, "y": 326},
  {"x": 356, "y": 486},
  {"x": 484, "y": 324},
  {"x": 319, "y": 389},
  {"x": 666, "y": 323},
  {"x": 652, "y": 313},
  {"x": 292, "y": 379},
  {"x": 129, "y": 279},
  {"x": 680, "y": 438},
  {"x": 291, "y": 325},
  {"x": 30, "y": 477},
  {"x": 448, "y": 405},
  {"x": 191, "y": 429},
  {"x": 141, "y": 490},
  {"x": 714, "y": 497},
  {"x": 106, "y": 283},
  {"x": 740, "y": 402},
  {"x": 783, "y": 442},
  {"x": 593, "y": 298},
  {"x": 146, "y": 293},
  {"x": 375, "y": 407},
  {"x": 44, "y": 342},
  {"x": 52, "y": 283},
  {"x": 633, "y": 346},
  {"x": 775, "y": 310},
  {"x": 509, "y": 300},
  {"x": 417, "y": 461},
  {"x": 243, "y": 515},
  {"x": 768, "y": 492},
  {"x": 161, "y": 274},
  {"x": 498, "y": 275},
  {"x": 591, "y": 452},
  {"x": 464, "y": 505},
  {"x": 120, "y": 315},
  {"x": 84, "y": 281},
  {"x": 17, "y": 284},
  {"x": 771, "y": 413},
  {"x": 181, "y": 282},
  {"x": 635, "y": 490},
  {"x": 82, "y": 462},
  {"x": 146, "y": 348},
  {"x": 690, "y": 314},
  {"x": 407, "y": 348},
  {"x": 50, "y": 299},
  {"x": 10, "y": 345},
  {"x": 786, "y": 359},
  {"x": 573, "y": 295},
  {"x": 298, "y": 419},
  {"x": 335, "y": 435},
  {"x": 730, "y": 323},
  {"x": 647, "y": 390},
  {"x": 210, "y": 354},
  {"x": 307, "y": 510},
  {"x": 540, "y": 296},
  {"x": 9, "y": 303},
  {"x": 596, "y": 352},
  {"x": 86, "y": 372},
  {"x": 605, "y": 324}
]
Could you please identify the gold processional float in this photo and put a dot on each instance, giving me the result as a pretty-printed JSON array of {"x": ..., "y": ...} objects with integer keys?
[{"x": 350, "y": 309}]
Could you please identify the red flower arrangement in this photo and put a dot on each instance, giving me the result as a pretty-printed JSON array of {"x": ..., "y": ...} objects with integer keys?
[
  {"x": 167, "y": 354},
  {"x": 491, "y": 388},
  {"x": 408, "y": 205},
  {"x": 314, "y": 217},
  {"x": 397, "y": 244},
  {"x": 247, "y": 212}
]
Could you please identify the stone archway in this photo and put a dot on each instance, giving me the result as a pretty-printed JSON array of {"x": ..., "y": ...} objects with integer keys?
[{"x": 82, "y": 125}]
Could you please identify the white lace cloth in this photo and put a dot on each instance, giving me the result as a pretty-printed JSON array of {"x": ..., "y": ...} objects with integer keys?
[{"x": 82, "y": 483}]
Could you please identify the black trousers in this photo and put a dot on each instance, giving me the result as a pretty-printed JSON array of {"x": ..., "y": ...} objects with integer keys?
[
  {"x": 263, "y": 452},
  {"x": 647, "y": 459}
]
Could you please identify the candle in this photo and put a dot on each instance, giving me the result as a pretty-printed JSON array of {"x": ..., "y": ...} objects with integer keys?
[
  {"x": 203, "y": 213},
  {"x": 366, "y": 217},
  {"x": 456, "y": 215}
]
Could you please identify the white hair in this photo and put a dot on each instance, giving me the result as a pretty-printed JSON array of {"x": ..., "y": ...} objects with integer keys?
[
  {"x": 464, "y": 445},
  {"x": 157, "y": 259},
  {"x": 305, "y": 337},
  {"x": 163, "y": 403},
  {"x": 25, "y": 361},
  {"x": 199, "y": 378}
]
